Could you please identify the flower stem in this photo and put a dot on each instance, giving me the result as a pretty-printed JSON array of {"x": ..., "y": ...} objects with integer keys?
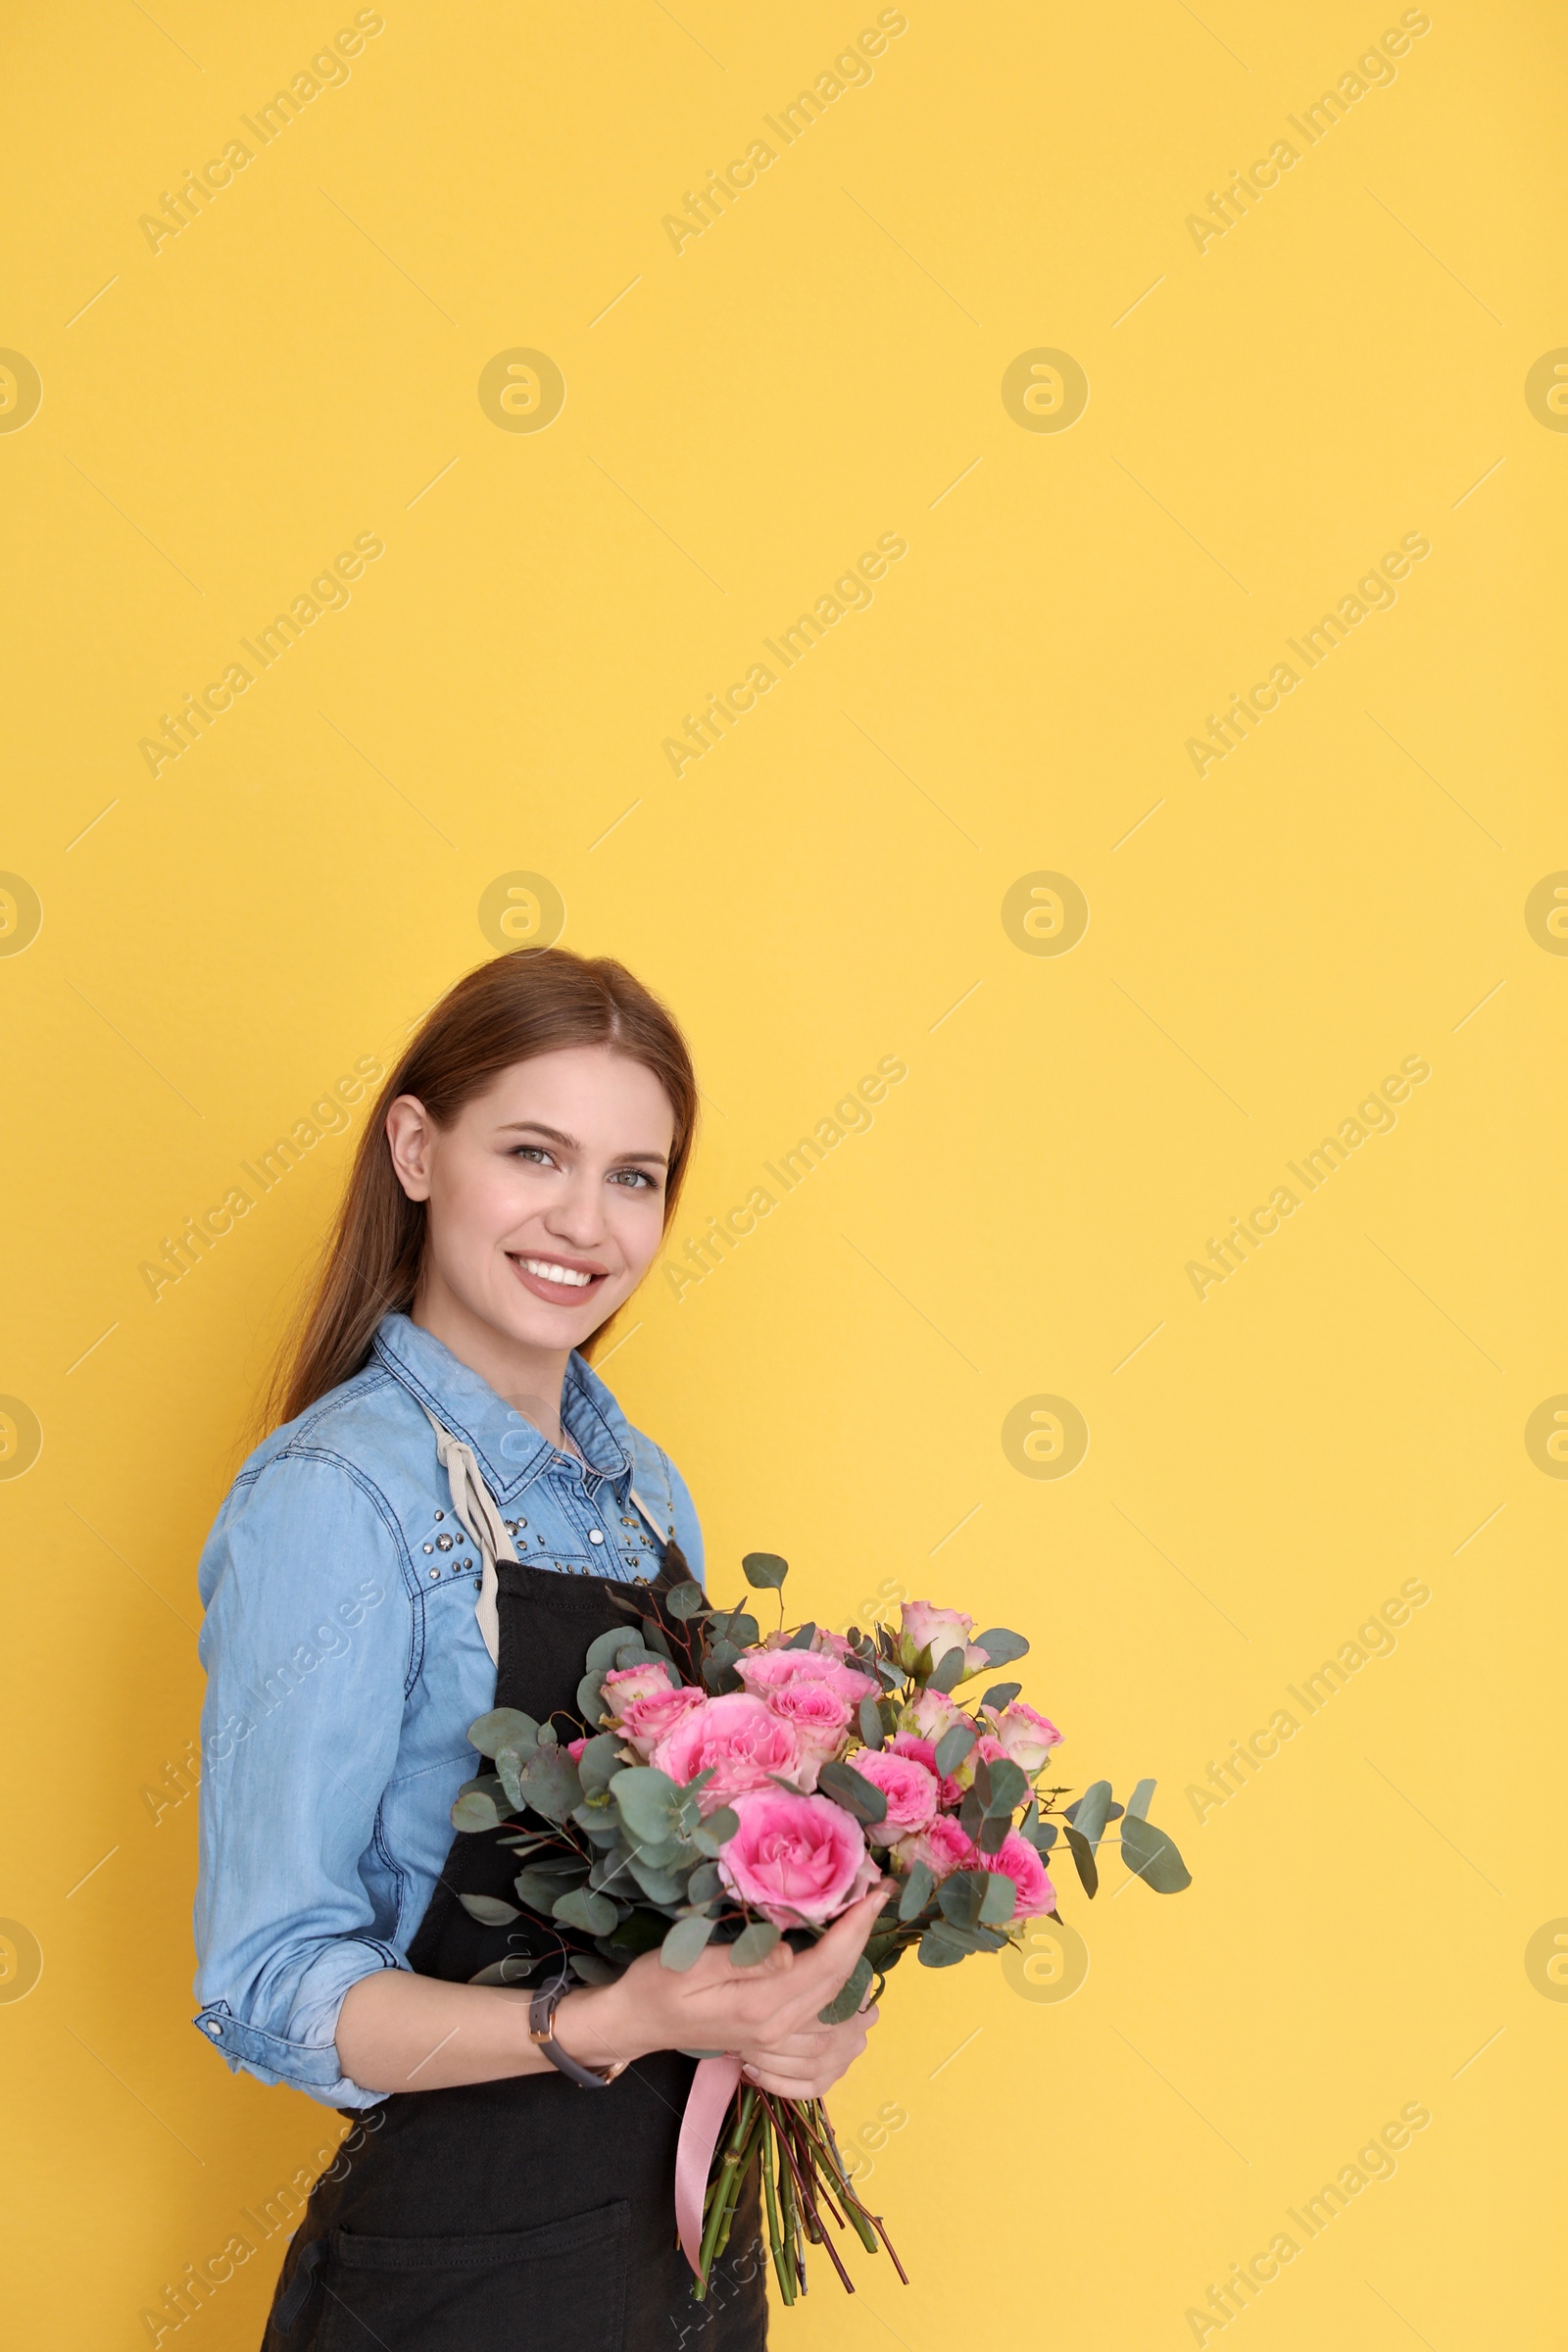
[
  {"x": 719, "y": 2204},
  {"x": 786, "y": 2280}
]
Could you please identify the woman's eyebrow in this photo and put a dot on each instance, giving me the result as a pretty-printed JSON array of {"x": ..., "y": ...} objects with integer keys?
[{"x": 570, "y": 1143}]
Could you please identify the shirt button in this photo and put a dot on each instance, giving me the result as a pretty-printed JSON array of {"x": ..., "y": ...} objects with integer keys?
[
  {"x": 594, "y": 1536},
  {"x": 211, "y": 2026}
]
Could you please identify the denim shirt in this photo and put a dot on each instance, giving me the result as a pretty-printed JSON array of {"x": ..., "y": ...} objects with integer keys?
[{"x": 345, "y": 1664}]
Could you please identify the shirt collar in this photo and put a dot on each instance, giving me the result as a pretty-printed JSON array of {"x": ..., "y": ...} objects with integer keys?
[{"x": 508, "y": 1449}]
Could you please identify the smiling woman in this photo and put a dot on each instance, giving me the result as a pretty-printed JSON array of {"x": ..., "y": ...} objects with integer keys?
[{"x": 445, "y": 1442}]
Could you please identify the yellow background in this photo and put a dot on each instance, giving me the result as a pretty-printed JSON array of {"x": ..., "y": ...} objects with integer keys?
[{"x": 1267, "y": 416}]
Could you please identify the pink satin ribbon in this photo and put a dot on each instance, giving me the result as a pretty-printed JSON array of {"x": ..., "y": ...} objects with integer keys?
[{"x": 706, "y": 2104}]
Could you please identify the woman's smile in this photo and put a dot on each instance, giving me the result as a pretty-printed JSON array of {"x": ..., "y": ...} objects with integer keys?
[{"x": 563, "y": 1281}]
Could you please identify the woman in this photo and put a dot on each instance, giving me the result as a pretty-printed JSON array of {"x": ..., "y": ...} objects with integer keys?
[{"x": 435, "y": 1530}]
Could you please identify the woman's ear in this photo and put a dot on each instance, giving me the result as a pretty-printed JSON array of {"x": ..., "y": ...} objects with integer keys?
[{"x": 411, "y": 1137}]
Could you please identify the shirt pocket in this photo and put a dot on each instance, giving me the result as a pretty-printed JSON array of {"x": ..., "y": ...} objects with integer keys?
[{"x": 563, "y": 2285}]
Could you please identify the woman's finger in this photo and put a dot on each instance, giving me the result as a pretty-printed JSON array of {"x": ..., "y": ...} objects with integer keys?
[{"x": 830, "y": 1960}]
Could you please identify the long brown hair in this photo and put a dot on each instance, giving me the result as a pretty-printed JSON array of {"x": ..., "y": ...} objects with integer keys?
[{"x": 533, "y": 1000}]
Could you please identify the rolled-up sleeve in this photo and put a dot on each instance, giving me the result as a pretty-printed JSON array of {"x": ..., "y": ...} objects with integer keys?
[{"x": 307, "y": 1649}]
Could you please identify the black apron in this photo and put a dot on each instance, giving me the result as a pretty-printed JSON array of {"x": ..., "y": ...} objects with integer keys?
[{"x": 526, "y": 2215}]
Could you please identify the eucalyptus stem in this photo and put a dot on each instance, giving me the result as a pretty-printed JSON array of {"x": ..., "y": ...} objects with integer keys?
[
  {"x": 786, "y": 2281},
  {"x": 860, "y": 2220}
]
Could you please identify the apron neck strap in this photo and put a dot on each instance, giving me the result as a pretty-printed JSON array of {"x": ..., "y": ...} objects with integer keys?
[{"x": 486, "y": 1530}]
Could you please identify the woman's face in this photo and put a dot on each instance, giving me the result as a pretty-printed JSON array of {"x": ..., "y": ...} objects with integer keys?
[{"x": 546, "y": 1196}]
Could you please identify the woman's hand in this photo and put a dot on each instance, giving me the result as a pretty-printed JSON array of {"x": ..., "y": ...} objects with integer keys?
[
  {"x": 809, "y": 2063},
  {"x": 767, "y": 2014}
]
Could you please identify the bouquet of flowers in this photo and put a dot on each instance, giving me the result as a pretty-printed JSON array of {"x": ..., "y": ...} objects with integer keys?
[{"x": 734, "y": 1787}]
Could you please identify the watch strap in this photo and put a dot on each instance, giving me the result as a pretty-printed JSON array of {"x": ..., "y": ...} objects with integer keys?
[{"x": 541, "y": 2033}]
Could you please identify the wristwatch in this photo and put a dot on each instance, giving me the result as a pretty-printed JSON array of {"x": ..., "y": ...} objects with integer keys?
[{"x": 541, "y": 2031}]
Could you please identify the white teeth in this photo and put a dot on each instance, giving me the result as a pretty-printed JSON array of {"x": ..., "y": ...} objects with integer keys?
[{"x": 566, "y": 1276}]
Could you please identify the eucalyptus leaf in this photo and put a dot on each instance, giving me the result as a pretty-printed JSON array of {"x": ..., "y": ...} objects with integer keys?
[
  {"x": 549, "y": 1737},
  {"x": 717, "y": 1831},
  {"x": 648, "y": 1800},
  {"x": 1142, "y": 1797},
  {"x": 593, "y": 1913},
  {"x": 947, "y": 1671},
  {"x": 753, "y": 1943},
  {"x": 1006, "y": 1786},
  {"x": 686, "y": 1600},
  {"x": 1042, "y": 1835},
  {"x": 850, "y": 1993},
  {"x": 994, "y": 1831},
  {"x": 997, "y": 1904},
  {"x": 916, "y": 1893},
  {"x": 960, "y": 1895},
  {"x": 665, "y": 1853},
  {"x": 1152, "y": 1856},
  {"x": 872, "y": 1731},
  {"x": 1089, "y": 1812},
  {"x": 591, "y": 1970},
  {"x": 683, "y": 1944},
  {"x": 551, "y": 1785},
  {"x": 740, "y": 1629},
  {"x": 1001, "y": 1695},
  {"x": 1002, "y": 1645},
  {"x": 474, "y": 1809},
  {"x": 638, "y": 1932},
  {"x": 802, "y": 1637},
  {"x": 510, "y": 1762},
  {"x": 489, "y": 1910},
  {"x": 1083, "y": 1855},
  {"x": 599, "y": 1761},
  {"x": 660, "y": 1886},
  {"x": 954, "y": 1746},
  {"x": 939, "y": 1946},
  {"x": 703, "y": 1884},
  {"x": 590, "y": 1696},
  {"x": 765, "y": 1569},
  {"x": 541, "y": 1887},
  {"x": 604, "y": 1646},
  {"x": 654, "y": 1637},
  {"x": 718, "y": 1673},
  {"x": 503, "y": 1726},
  {"x": 853, "y": 1791},
  {"x": 510, "y": 1970}
]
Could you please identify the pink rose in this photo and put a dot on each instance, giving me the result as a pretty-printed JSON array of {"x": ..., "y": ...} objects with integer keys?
[
  {"x": 738, "y": 1735},
  {"x": 647, "y": 1720},
  {"x": 766, "y": 1670},
  {"x": 799, "y": 1860},
  {"x": 1027, "y": 1737},
  {"x": 941, "y": 1845},
  {"x": 922, "y": 1752},
  {"x": 942, "y": 1630},
  {"x": 575, "y": 1747},
  {"x": 819, "y": 1718},
  {"x": 625, "y": 1684},
  {"x": 909, "y": 1787},
  {"x": 930, "y": 1713},
  {"x": 835, "y": 1645},
  {"x": 1023, "y": 1866}
]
